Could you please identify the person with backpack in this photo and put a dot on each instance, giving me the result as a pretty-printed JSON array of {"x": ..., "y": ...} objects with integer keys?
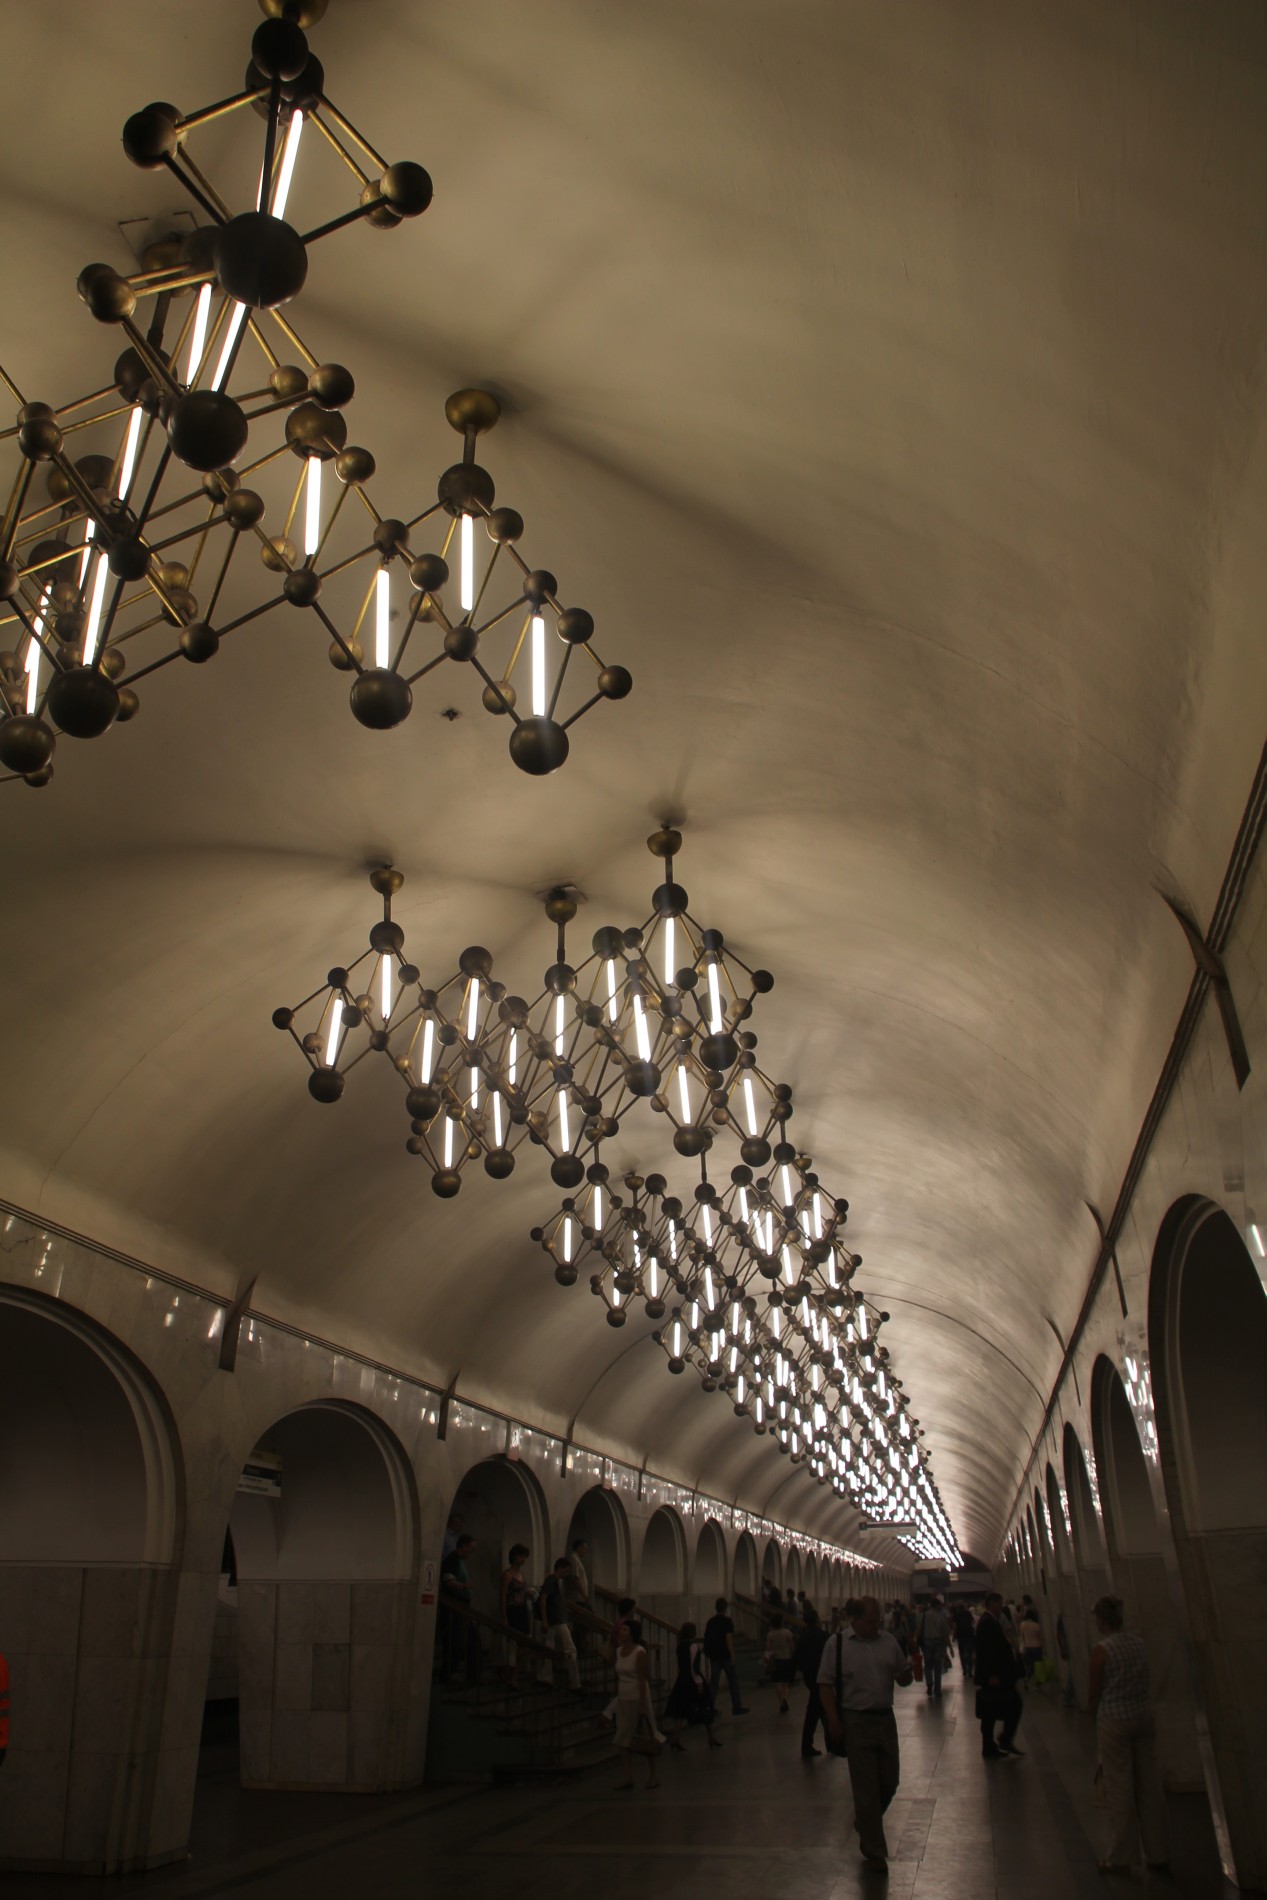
[
  {"x": 933, "y": 1635},
  {"x": 856, "y": 1679},
  {"x": 552, "y": 1608}
]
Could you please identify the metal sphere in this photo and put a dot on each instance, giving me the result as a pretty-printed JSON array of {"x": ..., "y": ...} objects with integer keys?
[
  {"x": 642, "y": 1078},
  {"x": 762, "y": 981},
  {"x": 755, "y": 1151},
  {"x": 423, "y": 1104},
  {"x": 387, "y": 937},
  {"x": 381, "y": 217},
  {"x": 428, "y": 573},
  {"x": 475, "y": 960},
  {"x": 325, "y": 1085},
  {"x": 279, "y": 554},
  {"x": 691, "y": 1140},
  {"x": 129, "y": 705},
  {"x": 446, "y": 1182},
  {"x": 539, "y": 746},
  {"x": 207, "y": 429},
  {"x": 539, "y": 585},
  {"x": 565, "y": 1275},
  {"x": 339, "y": 656},
  {"x": 331, "y": 385},
  {"x": 129, "y": 374},
  {"x": 152, "y": 136},
  {"x": 301, "y": 586},
  {"x": 616, "y": 1316},
  {"x": 390, "y": 536},
  {"x": 43, "y": 777},
  {"x": 180, "y": 607},
  {"x": 466, "y": 489},
  {"x": 260, "y": 260},
  {"x": 380, "y": 698},
  {"x": 354, "y": 466},
  {"x": 280, "y": 49},
  {"x": 499, "y": 1163},
  {"x": 39, "y": 434},
  {"x": 719, "y": 1052},
  {"x": 607, "y": 941},
  {"x": 670, "y": 900},
  {"x": 504, "y": 525},
  {"x": 199, "y": 642},
  {"x": 243, "y": 508},
  {"x": 81, "y": 703},
  {"x": 575, "y": 626},
  {"x": 312, "y": 430},
  {"x": 499, "y": 698},
  {"x": 407, "y": 188},
  {"x": 615, "y": 682},
  {"x": 26, "y": 744},
  {"x": 460, "y": 643},
  {"x": 128, "y": 560},
  {"x": 10, "y": 579},
  {"x": 288, "y": 382},
  {"x": 567, "y": 1171},
  {"x": 110, "y": 297},
  {"x": 197, "y": 250}
]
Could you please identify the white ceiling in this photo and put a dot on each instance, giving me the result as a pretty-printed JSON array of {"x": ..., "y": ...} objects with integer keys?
[{"x": 887, "y": 380}]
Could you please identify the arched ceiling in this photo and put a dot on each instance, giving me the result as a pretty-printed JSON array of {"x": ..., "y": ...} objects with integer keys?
[{"x": 888, "y": 383}]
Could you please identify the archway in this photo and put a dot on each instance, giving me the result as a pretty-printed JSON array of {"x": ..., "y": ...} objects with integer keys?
[
  {"x": 91, "y": 1511},
  {"x": 772, "y": 1565},
  {"x": 662, "y": 1566},
  {"x": 1065, "y": 1594},
  {"x": 708, "y": 1579},
  {"x": 600, "y": 1519},
  {"x": 792, "y": 1571},
  {"x": 746, "y": 1565},
  {"x": 1207, "y": 1330},
  {"x": 324, "y": 1532},
  {"x": 811, "y": 1580},
  {"x": 1136, "y": 1544}
]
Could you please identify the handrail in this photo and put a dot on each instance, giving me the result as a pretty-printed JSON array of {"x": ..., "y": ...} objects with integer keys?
[
  {"x": 498, "y": 1628},
  {"x": 767, "y": 1611},
  {"x": 643, "y": 1616}
]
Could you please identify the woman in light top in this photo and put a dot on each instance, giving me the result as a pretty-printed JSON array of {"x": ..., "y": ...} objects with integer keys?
[
  {"x": 635, "y": 1718},
  {"x": 1126, "y": 1729},
  {"x": 780, "y": 1648}
]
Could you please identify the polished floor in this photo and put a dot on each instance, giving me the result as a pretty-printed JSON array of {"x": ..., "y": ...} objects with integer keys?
[{"x": 752, "y": 1821}]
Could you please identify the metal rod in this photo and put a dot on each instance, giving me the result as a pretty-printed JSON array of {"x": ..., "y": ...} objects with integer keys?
[
  {"x": 347, "y": 217},
  {"x": 270, "y": 142},
  {"x": 195, "y": 191},
  {"x": 346, "y": 126},
  {"x": 217, "y": 111},
  {"x": 316, "y": 119}
]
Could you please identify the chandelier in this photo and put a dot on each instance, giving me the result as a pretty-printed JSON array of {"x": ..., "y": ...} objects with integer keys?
[
  {"x": 747, "y": 1276},
  {"x": 219, "y": 449}
]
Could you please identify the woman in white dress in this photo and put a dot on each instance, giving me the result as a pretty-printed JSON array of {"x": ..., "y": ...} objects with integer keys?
[{"x": 633, "y": 1706}]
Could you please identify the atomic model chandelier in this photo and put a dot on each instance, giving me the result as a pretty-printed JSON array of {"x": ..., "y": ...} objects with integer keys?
[
  {"x": 215, "y": 463},
  {"x": 747, "y": 1275}
]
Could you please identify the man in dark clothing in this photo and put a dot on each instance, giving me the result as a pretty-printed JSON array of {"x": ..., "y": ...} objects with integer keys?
[
  {"x": 965, "y": 1637},
  {"x": 807, "y": 1657},
  {"x": 995, "y": 1676},
  {"x": 719, "y": 1653},
  {"x": 456, "y": 1634}
]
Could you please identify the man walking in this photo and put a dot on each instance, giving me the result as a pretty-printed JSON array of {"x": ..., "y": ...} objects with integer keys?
[
  {"x": 965, "y": 1638},
  {"x": 995, "y": 1676},
  {"x": 855, "y": 1680},
  {"x": 719, "y": 1653},
  {"x": 934, "y": 1634},
  {"x": 553, "y": 1610}
]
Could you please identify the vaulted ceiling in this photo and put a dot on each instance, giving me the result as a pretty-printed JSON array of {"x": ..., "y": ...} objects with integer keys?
[{"x": 887, "y": 381}]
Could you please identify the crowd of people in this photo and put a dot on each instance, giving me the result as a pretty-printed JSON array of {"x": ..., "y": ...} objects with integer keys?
[{"x": 851, "y": 1661}]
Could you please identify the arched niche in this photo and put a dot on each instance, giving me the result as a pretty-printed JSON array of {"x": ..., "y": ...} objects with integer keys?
[
  {"x": 327, "y": 1562},
  {"x": 88, "y": 1470},
  {"x": 772, "y": 1564},
  {"x": 345, "y": 1507},
  {"x": 1088, "y": 1537},
  {"x": 1059, "y": 1529},
  {"x": 1130, "y": 1517},
  {"x": 811, "y": 1578},
  {"x": 746, "y": 1565},
  {"x": 1031, "y": 1533},
  {"x": 599, "y": 1517},
  {"x": 662, "y": 1565},
  {"x": 709, "y": 1569},
  {"x": 91, "y": 1523},
  {"x": 501, "y": 1504},
  {"x": 792, "y": 1570},
  {"x": 1207, "y": 1339}
]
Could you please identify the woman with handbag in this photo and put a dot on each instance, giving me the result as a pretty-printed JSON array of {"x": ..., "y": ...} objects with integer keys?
[
  {"x": 636, "y": 1731},
  {"x": 690, "y": 1698}
]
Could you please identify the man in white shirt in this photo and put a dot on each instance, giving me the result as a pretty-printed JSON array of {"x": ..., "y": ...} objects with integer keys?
[{"x": 855, "y": 1682}]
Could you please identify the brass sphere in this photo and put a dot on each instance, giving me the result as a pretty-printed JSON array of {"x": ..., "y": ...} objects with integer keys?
[
  {"x": 538, "y": 746},
  {"x": 466, "y": 488},
  {"x": 382, "y": 217},
  {"x": 331, "y": 385},
  {"x": 152, "y": 136},
  {"x": 82, "y": 703},
  {"x": 312, "y": 430},
  {"x": 26, "y": 744},
  {"x": 380, "y": 699},
  {"x": 110, "y": 297},
  {"x": 407, "y": 188},
  {"x": 243, "y": 508},
  {"x": 301, "y": 586},
  {"x": 615, "y": 682},
  {"x": 129, "y": 705},
  {"x": 260, "y": 260},
  {"x": 575, "y": 626},
  {"x": 499, "y": 698},
  {"x": 428, "y": 573},
  {"x": 199, "y": 642},
  {"x": 325, "y": 1085},
  {"x": 354, "y": 465},
  {"x": 206, "y": 429},
  {"x": 504, "y": 525},
  {"x": 279, "y": 553},
  {"x": 39, "y": 434},
  {"x": 288, "y": 382},
  {"x": 338, "y": 658}
]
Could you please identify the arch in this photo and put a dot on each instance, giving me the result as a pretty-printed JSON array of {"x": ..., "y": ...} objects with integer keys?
[
  {"x": 90, "y": 1471},
  {"x": 811, "y": 1585},
  {"x": 708, "y": 1572},
  {"x": 792, "y": 1570},
  {"x": 1131, "y": 1526},
  {"x": 772, "y": 1564},
  {"x": 662, "y": 1566},
  {"x": 1088, "y": 1537},
  {"x": 1031, "y": 1534},
  {"x": 1059, "y": 1528},
  {"x": 745, "y": 1567},
  {"x": 600, "y": 1518},
  {"x": 1207, "y": 1339},
  {"x": 501, "y": 1503},
  {"x": 1041, "y": 1516},
  {"x": 345, "y": 1508}
]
